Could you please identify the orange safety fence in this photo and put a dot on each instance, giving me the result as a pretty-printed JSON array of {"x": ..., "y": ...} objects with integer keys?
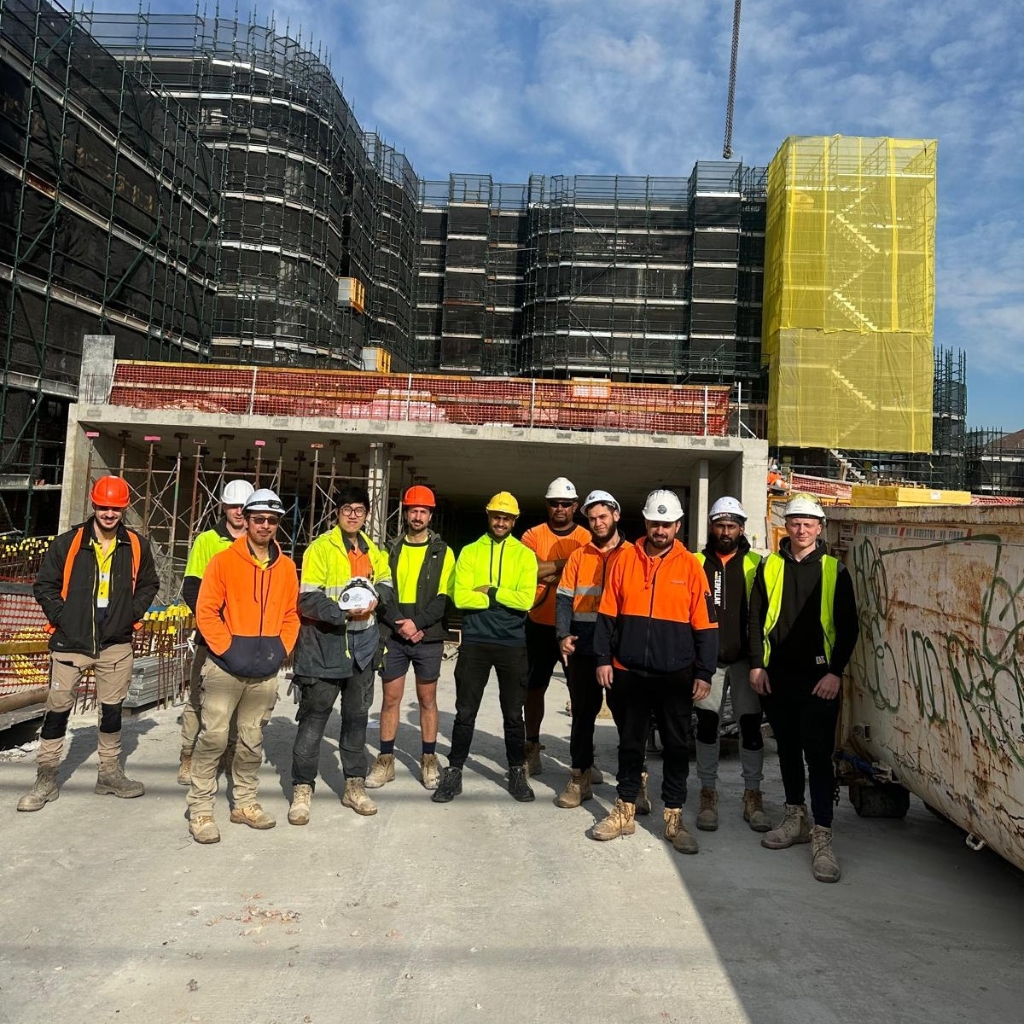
[{"x": 340, "y": 394}]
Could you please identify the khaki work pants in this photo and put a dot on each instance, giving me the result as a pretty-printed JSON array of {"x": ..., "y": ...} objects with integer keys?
[
  {"x": 112, "y": 669},
  {"x": 190, "y": 710},
  {"x": 223, "y": 695}
]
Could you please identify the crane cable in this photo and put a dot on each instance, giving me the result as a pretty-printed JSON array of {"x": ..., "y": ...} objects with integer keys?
[{"x": 730, "y": 103}]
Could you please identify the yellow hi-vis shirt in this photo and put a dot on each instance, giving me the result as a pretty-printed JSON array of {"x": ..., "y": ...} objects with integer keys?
[{"x": 104, "y": 561}]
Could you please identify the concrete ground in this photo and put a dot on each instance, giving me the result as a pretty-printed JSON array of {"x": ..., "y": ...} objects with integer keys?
[{"x": 482, "y": 910}]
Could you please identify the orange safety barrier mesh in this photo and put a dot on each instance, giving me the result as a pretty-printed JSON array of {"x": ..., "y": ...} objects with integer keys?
[{"x": 341, "y": 394}]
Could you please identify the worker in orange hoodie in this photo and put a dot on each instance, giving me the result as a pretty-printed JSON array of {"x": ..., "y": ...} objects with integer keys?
[
  {"x": 247, "y": 611},
  {"x": 656, "y": 643}
]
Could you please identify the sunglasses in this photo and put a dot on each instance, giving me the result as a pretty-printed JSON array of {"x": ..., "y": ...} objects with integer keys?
[
  {"x": 265, "y": 520},
  {"x": 561, "y": 504}
]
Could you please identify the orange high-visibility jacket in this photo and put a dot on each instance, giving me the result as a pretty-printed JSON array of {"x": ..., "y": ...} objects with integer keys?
[
  {"x": 657, "y": 615},
  {"x": 549, "y": 546}
]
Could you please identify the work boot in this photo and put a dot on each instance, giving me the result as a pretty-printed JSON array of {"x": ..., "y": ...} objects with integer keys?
[
  {"x": 823, "y": 857},
  {"x": 753, "y": 810},
  {"x": 185, "y": 769},
  {"x": 43, "y": 790},
  {"x": 577, "y": 789},
  {"x": 381, "y": 771},
  {"x": 596, "y": 776},
  {"x": 298, "y": 812},
  {"x": 356, "y": 798},
  {"x": 112, "y": 781},
  {"x": 707, "y": 816},
  {"x": 533, "y": 765},
  {"x": 226, "y": 760},
  {"x": 794, "y": 828},
  {"x": 430, "y": 771},
  {"x": 449, "y": 787},
  {"x": 203, "y": 829},
  {"x": 252, "y": 815},
  {"x": 643, "y": 801},
  {"x": 675, "y": 831},
  {"x": 518, "y": 784},
  {"x": 620, "y": 822}
]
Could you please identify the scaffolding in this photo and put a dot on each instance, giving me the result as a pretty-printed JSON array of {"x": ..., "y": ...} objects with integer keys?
[
  {"x": 110, "y": 226},
  {"x": 995, "y": 462},
  {"x": 310, "y": 200}
]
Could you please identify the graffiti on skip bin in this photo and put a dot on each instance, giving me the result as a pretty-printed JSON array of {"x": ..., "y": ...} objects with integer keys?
[{"x": 965, "y": 667}]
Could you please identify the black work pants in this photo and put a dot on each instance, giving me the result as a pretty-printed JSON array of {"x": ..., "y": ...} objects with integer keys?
[
  {"x": 472, "y": 671},
  {"x": 632, "y": 699},
  {"x": 804, "y": 726},
  {"x": 543, "y": 654},
  {"x": 585, "y": 693}
]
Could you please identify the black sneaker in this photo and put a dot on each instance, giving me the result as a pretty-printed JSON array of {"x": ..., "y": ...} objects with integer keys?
[
  {"x": 517, "y": 784},
  {"x": 449, "y": 787}
]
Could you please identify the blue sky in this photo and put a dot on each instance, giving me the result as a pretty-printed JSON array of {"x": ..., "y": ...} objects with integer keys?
[{"x": 514, "y": 87}]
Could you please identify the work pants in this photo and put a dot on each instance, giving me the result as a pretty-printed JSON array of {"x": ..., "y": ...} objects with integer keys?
[
  {"x": 542, "y": 654},
  {"x": 585, "y": 693},
  {"x": 472, "y": 671},
  {"x": 633, "y": 699},
  {"x": 804, "y": 726},
  {"x": 112, "y": 670},
  {"x": 746, "y": 708},
  {"x": 316, "y": 702},
  {"x": 250, "y": 700}
]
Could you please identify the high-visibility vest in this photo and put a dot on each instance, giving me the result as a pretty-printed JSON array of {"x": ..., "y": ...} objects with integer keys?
[
  {"x": 774, "y": 570},
  {"x": 750, "y": 563}
]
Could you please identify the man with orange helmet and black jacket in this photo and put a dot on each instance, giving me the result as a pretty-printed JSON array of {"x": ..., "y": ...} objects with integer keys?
[
  {"x": 95, "y": 584},
  {"x": 656, "y": 642}
]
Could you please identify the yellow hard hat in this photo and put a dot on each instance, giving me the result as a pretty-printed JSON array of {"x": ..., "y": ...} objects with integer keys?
[{"x": 504, "y": 502}]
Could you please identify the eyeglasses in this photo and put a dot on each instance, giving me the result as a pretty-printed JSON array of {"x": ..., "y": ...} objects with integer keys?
[
  {"x": 265, "y": 520},
  {"x": 561, "y": 504},
  {"x": 352, "y": 511}
]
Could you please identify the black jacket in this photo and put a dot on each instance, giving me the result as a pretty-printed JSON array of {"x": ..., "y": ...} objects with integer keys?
[
  {"x": 74, "y": 616},
  {"x": 729, "y": 591},
  {"x": 430, "y": 609},
  {"x": 797, "y": 641}
]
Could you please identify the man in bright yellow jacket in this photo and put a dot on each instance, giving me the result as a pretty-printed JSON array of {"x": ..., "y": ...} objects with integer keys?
[{"x": 495, "y": 584}]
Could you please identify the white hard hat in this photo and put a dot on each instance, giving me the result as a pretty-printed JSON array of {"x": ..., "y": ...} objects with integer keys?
[
  {"x": 804, "y": 505},
  {"x": 263, "y": 500},
  {"x": 727, "y": 508},
  {"x": 357, "y": 595},
  {"x": 600, "y": 498},
  {"x": 561, "y": 488},
  {"x": 237, "y": 492},
  {"x": 663, "y": 507}
]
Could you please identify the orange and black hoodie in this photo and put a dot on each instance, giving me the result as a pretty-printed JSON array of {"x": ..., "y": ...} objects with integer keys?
[
  {"x": 656, "y": 615},
  {"x": 248, "y": 613}
]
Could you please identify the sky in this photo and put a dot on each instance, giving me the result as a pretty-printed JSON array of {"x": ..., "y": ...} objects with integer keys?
[{"x": 518, "y": 87}]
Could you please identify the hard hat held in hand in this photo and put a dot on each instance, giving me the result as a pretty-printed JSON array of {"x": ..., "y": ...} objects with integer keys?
[
  {"x": 663, "y": 507},
  {"x": 727, "y": 508},
  {"x": 357, "y": 595}
]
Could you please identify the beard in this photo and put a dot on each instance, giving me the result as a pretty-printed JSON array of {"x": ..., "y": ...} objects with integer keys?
[{"x": 726, "y": 545}]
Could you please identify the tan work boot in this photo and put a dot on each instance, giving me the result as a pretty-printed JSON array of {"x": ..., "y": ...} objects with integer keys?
[
  {"x": 620, "y": 822},
  {"x": 823, "y": 857},
  {"x": 226, "y": 760},
  {"x": 577, "y": 789},
  {"x": 430, "y": 771},
  {"x": 643, "y": 800},
  {"x": 707, "y": 816},
  {"x": 43, "y": 790},
  {"x": 185, "y": 769},
  {"x": 252, "y": 815},
  {"x": 203, "y": 829},
  {"x": 298, "y": 812},
  {"x": 794, "y": 828},
  {"x": 596, "y": 776},
  {"x": 533, "y": 765},
  {"x": 753, "y": 810},
  {"x": 112, "y": 781},
  {"x": 381, "y": 771},
  {"x": 675, "y": 831},
  {"x": 356, "y": 798}
]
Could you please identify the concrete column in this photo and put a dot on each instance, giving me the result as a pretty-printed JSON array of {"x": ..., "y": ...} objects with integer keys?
[
  {"x": 377, "y": 485},
  {"x": 97, "y": 369},
  {"x": 753, "y": 493},
  {"x": 698, "y": 531}
]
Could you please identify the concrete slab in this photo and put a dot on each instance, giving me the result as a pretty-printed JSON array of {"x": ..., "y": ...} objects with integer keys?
[{"x": 481, "y": 910}]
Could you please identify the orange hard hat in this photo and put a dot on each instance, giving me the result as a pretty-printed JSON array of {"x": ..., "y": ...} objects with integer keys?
[
  {"x": 110, "y": 492},
  {"x": 419, "y": 495}
]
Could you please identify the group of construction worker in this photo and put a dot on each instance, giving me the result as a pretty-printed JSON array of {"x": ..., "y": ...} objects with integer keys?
[{"x": 659, "y": 634}]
